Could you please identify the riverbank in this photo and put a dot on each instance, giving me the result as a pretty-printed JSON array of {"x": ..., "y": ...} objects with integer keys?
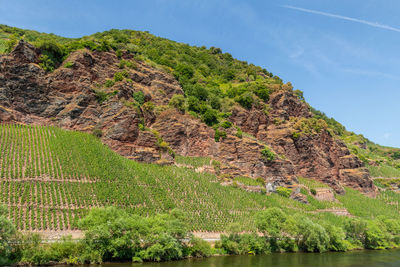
[{"x": 111, "y": 235}]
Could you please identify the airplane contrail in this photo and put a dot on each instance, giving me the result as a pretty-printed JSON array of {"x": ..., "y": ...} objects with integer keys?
[{"x": 369, "y": 23}]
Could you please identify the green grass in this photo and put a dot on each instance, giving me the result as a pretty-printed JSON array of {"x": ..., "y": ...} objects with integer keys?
[
  {"x": 387, "y": 203},
  {"x": 193, "y": 161},
  {"x": 248, "y": 181},
  {"x": 311, "y": 183},
  {"x": 2, "y": 46},
  {"x": 384, "y": 171}
]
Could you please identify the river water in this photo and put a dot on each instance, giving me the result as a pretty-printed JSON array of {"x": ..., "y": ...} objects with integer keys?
[{"x": 356, "y": 258}]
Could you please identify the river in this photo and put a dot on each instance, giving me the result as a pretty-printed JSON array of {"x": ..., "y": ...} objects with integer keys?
[{"x": 363, "y": 258}]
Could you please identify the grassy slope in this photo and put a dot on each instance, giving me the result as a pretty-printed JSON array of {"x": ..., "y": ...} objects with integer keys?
[{"x": 50, "y": 177}]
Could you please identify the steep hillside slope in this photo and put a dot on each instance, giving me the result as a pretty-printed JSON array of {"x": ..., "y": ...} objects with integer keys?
[
  {"x": 49, "y": 178},
  {"x": 127, "y": 87}
]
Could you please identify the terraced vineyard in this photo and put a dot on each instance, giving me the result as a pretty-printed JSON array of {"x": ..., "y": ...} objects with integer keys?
[{"x": 50, "y": 178}]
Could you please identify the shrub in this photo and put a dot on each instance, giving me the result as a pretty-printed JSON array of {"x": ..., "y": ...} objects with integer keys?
[
  {"x": 119, "y": 76},
  {"x": 271, "y": 221},
  {"x": 337, "y": 237},
  {"x": 376, "y": 236},
  {"x": 219, "y": 134},
  {"x": 53, "y": 51},
  {"x": 283, "y": 191},
  {"x": 109, "y": 83},
  {"x": 199, "y": 248},
  {"x": 139, "y": 97},
  {"x": 313, "y": 237},
  {"x": 68, "y": 64},
  {"x": 125, "y": 63},
  {"x": 210, "y": 117},
  {"x": 309, "y": 126},
  {"x": 178, "y": 102},
  {"x": 7, "y": 231},
  {"x": 296, "y": 135},
  {"x": 194, "y": 104},
  {"x": 118, "y": 53},
  {"x": 245, "y": 100},
  {"x": 239, "y": 132},
  {"x": 313, "y": 191},
  {"x": 396, "y": 155},
  {"x": 267, "y": 154},
  {"x": 10, "y": 44},
  {"x": 46, "y": 63},
  {"x": 183, "y": 71},
  {"x": 299, "y": 94},
  {"x": 263, "y": 93},
  {"x": 101, "y": 96},
  {"x": 215, "y": 102},
  {"x": 226, "y": 124},
  {"x": 149, "y": 106}
]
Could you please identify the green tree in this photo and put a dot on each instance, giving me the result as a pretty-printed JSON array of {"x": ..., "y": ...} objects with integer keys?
[
  {"x": 7, "y": 232},
  {"x": 210, "y": 117},
  {"x": 312, "y": 236},
  {"x": 245, "y": 100}
]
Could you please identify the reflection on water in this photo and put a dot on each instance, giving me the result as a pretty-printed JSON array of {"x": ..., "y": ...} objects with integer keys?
[{"x": 353, "y": 259}]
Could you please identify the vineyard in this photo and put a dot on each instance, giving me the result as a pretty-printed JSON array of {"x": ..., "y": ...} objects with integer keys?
[{"x": 50, "y": 178}]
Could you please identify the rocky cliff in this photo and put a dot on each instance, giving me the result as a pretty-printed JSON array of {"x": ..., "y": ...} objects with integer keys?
[{"x": 78, "y": 97}]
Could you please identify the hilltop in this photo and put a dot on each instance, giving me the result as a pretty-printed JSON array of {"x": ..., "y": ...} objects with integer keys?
[{"x": 205, "y": 127}]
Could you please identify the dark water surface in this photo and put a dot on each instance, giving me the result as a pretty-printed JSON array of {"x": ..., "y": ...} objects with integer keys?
[{"x": 355, "y": 258}]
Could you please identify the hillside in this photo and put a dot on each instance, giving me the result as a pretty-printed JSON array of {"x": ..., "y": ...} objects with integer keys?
[
  {"x": 50, "y": 178},
  {"x": 169, "y": 105}
]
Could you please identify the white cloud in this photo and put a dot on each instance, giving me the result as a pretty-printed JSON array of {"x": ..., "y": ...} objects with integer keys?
[{"x": 366, "y": 22}]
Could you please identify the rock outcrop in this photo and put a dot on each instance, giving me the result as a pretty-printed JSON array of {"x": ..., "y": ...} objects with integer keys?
[{"x": 77, "y": 98}]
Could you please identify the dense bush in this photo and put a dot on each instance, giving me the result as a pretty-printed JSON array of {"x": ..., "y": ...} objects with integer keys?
[
  {"x": 210, "y": 117},
  {"x": 178, "y": 102},
  {"x": 199, "y": 248},
  {"x": 267, "y": 154},
  {"x": 246, "y": 100},
  {"x": 111, "y": 234},
  {"x": 283, "y": 191},
  {"x": 7, "y": 232},
  {"x": 139, "y": 97}
]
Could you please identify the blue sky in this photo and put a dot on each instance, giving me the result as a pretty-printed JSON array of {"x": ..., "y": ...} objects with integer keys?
[{"x": 343, "y": 54}]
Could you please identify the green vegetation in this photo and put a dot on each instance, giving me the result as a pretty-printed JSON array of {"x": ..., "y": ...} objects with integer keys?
[
  {"x": 267, "y": 153},
  {"x": 283, "y": 191},
  {"x": 311, "y": 183},
  {"x": 52, "y": 179},
  {"x": 91, "y": 175},
  {"x": 112, "y": 234},
  {"x": 7, "y": 230},
  {"x": 249, "y": 181},
  {"x": 68, "y": 64},
  {"x": 195, "y": 162},
  {"x": 307, "y": 126},
  {"x": 212, "y": 81}
]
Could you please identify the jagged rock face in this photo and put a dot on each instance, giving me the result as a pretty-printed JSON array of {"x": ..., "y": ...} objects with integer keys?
[
  {"x": 67, "y": 98},
  {"x": 322, "y": 156},
  {"x": 239, "y": 156}
]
